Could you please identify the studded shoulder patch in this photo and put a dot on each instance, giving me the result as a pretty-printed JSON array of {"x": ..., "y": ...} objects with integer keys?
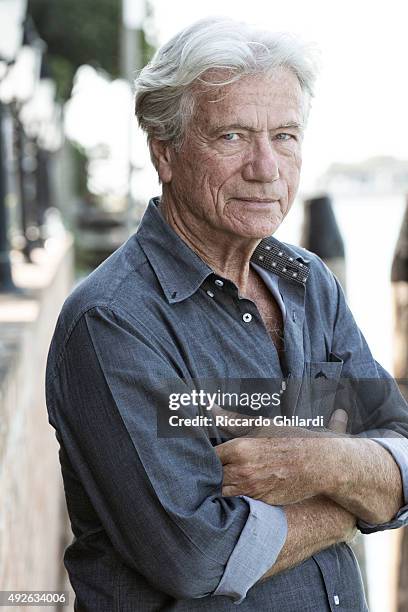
[{"x": 277, "y": 259}]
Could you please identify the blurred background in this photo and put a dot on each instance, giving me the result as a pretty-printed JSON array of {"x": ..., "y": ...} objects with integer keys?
[{"x": 75, "y": 178}]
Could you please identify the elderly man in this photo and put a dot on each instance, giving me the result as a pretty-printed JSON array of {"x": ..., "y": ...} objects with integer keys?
[{"x": 203, "y": 291}]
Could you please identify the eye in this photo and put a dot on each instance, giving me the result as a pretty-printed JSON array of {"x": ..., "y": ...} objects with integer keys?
[
  {"x": 284, "y": 136},
  {"x": 230, "y": 137}
]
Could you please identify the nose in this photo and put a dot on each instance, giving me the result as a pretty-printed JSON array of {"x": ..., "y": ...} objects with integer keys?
[{"x": 263, "y": 164}]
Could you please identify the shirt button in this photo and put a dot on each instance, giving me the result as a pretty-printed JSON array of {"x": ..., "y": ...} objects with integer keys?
[
  {"x": 219, "y": 282},
  {"x": 210, "y": 294},
  {"x": 247, "y": 317},
  {"x": 336, "y": 600}
]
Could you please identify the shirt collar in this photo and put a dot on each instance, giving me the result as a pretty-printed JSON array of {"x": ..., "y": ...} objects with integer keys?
[{"x": 180, "y": 271}]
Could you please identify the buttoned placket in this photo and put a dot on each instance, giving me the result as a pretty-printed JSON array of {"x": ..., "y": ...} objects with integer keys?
[
  {"x": 246, "y": 311},
  {"x": 290, "y": 362},
  {"x": 293, "y": 297}
]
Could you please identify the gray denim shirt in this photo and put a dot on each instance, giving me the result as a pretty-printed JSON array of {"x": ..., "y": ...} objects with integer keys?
[{"x": 151, "y": 528}]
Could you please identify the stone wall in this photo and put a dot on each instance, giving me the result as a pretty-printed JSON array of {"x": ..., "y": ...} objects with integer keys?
[{"x": 33, "y": 520}]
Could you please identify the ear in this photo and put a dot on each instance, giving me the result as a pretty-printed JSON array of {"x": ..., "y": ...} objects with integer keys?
[{"x": 161, "y": 154}]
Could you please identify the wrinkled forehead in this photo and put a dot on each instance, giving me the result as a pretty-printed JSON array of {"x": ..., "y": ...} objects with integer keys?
[{"x": 276, "y": 93}]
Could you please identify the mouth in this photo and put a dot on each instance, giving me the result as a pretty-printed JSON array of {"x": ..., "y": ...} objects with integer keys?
[{"x": 258, "y": 201}]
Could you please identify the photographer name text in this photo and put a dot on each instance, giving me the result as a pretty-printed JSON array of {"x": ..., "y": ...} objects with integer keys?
[{"x": 244, "y": 421}]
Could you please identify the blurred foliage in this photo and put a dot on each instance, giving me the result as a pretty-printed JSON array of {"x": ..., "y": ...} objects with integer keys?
[{"x": 80, "y": 32}]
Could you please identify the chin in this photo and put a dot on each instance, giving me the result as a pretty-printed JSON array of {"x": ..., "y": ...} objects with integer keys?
[
  {"x": 257, "y": 228},
  {"x": 255, "y": 231},
  {"x": 259, "y": 224}
]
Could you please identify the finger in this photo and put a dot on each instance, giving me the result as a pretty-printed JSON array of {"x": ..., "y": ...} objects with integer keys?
[
  {"x": 230, "y": 491},
  {"x": 228, "y": 417},
  {"x": 225, "y": 451},
  {"x": 229, "y": 477},
  {"x": 338, "y": 421},
  {"x": 217, "y": 410},
  {"x": 234, "y": 451}
]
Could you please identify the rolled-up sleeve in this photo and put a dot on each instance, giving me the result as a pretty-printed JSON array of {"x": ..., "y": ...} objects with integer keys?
[
  {"x": 398, "y": 447},
  {"x": 379, "y": 411},
  {"x": 159, "y": 499},
  {"x": 263, "y": 535}
]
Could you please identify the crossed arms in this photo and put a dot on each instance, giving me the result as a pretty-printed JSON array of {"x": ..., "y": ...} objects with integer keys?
[
  {"x": 139, "y": 486},
  {"x": 325, "y": 482}
]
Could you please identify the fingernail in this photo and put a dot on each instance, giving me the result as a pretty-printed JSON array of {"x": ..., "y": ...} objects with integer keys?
[{"x": 339, "y": 415}]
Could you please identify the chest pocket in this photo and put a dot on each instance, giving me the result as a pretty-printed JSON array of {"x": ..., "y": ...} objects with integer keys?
[{"x": 322, "y": 386}]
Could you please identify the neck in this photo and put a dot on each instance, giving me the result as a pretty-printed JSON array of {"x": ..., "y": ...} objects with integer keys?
[{"x": 228, "y": 255}]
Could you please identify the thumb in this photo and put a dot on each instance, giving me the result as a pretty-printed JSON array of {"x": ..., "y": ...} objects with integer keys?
[{"x": 338, "y": 421}]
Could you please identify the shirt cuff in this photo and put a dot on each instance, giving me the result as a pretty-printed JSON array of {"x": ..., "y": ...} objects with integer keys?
[
  {"x": 257, "y": 549},
  {"x": 398, "y": 447}
]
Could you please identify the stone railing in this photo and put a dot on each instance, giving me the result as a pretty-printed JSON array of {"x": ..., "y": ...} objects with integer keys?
[{"x": 33, "y": 519}]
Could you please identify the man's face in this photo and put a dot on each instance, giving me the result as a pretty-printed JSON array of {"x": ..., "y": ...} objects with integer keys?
[{"x": 241, "y": 138}]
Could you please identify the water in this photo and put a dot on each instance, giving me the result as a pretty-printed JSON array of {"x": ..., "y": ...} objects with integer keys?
[{"x": 370, "y": 226}]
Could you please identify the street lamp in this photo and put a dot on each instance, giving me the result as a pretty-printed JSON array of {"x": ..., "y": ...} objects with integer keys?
[
  {"x": 41, "y": 118},
  {"x": 133, "y": 18},
  {"x": 19, "y": 83},
  {"x": 40, "y": 108},
  {"x": 12, "y": 14},
  {"x": 16, "y": 89}
]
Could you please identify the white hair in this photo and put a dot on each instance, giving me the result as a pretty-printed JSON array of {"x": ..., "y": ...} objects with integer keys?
[{"x": 213, "y": 52}]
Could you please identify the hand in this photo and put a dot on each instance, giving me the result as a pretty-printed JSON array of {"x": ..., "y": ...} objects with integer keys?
[
  {"x": 277, "y": 470},
  {"x": 287, "y": 467}
]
